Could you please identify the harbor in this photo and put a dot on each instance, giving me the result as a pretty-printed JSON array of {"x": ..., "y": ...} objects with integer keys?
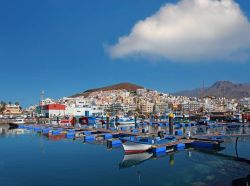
[
  {"x": 125, "y": 93},
  {"x": 204, "y": 154},
  {"x": 83, "y": 144}
]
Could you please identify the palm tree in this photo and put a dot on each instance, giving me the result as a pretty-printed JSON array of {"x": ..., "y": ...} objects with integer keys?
[{"x": 2, "y": 107}]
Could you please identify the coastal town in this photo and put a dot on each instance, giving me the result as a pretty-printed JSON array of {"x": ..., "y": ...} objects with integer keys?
[
  {"x": 125, "y": 93},
  {"x": 141, "y": 102},
  {"x": 145, "y": 124}
]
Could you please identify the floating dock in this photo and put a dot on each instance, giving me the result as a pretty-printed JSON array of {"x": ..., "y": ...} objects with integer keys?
[{"x": 111, "y": 137}]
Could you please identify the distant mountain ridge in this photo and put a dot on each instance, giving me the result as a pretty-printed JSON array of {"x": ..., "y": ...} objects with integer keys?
[
  {"x": 220, "y": 89},
  {"x": 119, "y": 86}
]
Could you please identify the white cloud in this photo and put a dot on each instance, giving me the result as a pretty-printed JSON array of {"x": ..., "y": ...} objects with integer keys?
[{"x": 191, "y": 30}]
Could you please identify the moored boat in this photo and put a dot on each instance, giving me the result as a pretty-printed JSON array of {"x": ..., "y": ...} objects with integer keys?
[
  {"x": 137, "y": 144},
  {"x": 136, "y": 147},
  {"x": 18, "y": 121},
  {"x": 124, "y": 121}
]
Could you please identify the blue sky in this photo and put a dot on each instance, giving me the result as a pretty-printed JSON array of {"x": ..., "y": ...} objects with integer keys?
[{"x": 59, "y": 46}]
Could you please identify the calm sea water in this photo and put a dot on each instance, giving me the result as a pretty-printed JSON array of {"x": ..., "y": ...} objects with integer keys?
[{"x": 31, "y": 159}]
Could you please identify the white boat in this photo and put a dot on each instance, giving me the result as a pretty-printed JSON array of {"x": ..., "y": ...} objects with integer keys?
[
  {"x": 18, "y": 121},
  {"x": 134, "y": 147},
  {"x": 125, "y": 121},
  {"x": 138, "y": 144}
]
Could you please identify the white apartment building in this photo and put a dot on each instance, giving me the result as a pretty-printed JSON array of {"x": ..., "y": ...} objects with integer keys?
[
  {"x": 147, "y": 107},
  {"x": 141, "y": 92},
  {"x": 245, "y": 102},
  {"x": 161, "y": 107},
  {"x": 116, "y": 107},
  {"x": 83, "y": 111},
  {"x": 192, "y": 106}
]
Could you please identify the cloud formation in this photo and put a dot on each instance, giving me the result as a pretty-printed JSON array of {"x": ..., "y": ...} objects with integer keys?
[{"x": 191, "y": 30}]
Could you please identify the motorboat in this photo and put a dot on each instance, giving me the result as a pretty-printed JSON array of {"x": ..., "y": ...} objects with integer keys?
[
  {"x": 14, "y": 124},
  {"x": 18, "y": 121},
  {"x": 124, "y": 121}
]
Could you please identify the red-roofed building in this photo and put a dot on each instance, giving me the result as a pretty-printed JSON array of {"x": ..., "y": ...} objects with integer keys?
[{"x": 52, "y": 110}]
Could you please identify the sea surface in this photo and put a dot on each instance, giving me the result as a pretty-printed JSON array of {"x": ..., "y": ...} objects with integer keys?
[{"x": 30, "y": 159}]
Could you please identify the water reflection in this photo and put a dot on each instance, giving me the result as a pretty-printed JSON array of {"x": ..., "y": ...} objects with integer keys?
[
  {"x": 6, "y": 129},
  {"x": 131, "y": 160},
  {"x": 202, "y": 167},
  {"x": 186, "y": 167}
]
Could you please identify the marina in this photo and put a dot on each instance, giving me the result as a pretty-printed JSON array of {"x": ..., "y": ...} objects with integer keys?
[
  {"x": 125, "y": 93},
  {"x": 104, "y": 147}
]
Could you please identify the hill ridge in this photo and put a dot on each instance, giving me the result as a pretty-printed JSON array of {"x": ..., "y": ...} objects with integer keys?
[
  {"x": 226, "y": 89},
  {"x": 119, "y": 86}
]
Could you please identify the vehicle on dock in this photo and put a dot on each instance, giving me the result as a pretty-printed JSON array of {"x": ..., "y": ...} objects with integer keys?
[{"x": 139, "y": 144}]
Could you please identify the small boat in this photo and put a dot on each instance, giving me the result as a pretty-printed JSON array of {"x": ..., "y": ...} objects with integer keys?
[
  {"x": 138, "y": 144},
  {"x": 14, "y": 124},
  {"x": 136, "y": 147},
  {"x": 203, "y": 120},
  {"x": 125, "y": 121},
  {"x": 18, "y": 121}
]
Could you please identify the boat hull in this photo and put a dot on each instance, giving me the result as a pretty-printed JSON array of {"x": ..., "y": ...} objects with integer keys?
[{"x": 133, "y": 147}]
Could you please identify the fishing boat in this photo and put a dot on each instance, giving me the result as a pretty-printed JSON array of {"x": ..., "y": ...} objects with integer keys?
[{"x": 138, "y": 144}]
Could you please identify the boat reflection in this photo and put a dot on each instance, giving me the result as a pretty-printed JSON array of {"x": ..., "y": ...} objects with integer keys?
[
  {"x": 6, "y": 129},
  {"x": 131, "y": 160}
]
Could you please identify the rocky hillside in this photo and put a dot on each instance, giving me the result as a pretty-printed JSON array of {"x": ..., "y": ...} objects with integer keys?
[
  {"x": 120, "y": 86},
  {"x": 220, "y": 89}
]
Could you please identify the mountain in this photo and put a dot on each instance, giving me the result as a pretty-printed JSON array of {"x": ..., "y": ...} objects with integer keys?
[
  {"x": 220, "y": 89},
  {"x": 119, "y": 86}
]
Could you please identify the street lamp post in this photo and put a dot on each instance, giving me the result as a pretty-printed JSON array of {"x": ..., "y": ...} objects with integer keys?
[{"x": 171, "y": 124}]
